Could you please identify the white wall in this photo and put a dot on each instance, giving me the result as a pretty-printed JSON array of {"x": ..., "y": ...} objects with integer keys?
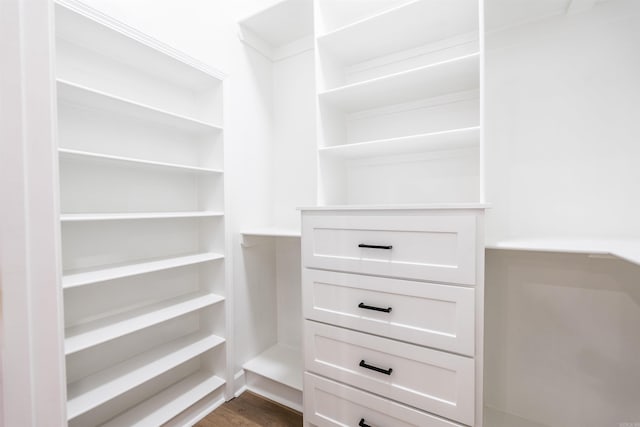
[
  {"x": 561, "y": 338},
  {"x": 562, "y": 125}
]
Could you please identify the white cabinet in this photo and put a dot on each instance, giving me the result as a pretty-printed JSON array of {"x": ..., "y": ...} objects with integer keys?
[
  {"x": 412, "y": 342},
  {"x": 143, "y": 228}
]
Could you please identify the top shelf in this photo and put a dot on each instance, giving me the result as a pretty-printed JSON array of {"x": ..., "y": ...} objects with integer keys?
[
  {"x": 404, "y": 27},
  {"x": 82, "y": 25},
  {"x": 281, "y": 30},
  {"x": 626, "y": 249}
]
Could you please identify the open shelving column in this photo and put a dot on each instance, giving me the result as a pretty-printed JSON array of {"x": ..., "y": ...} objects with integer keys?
[
  {"x": 272, "y": 364},
  {"x": 143, "y": 225},
  {"x": 399, "y": 102}
]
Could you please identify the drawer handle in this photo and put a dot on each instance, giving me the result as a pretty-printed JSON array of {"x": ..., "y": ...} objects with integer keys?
[
  {"x": 362, "y": 245},
  {"x": 362, "y": 423},
  {"x": 375, "y": 368},
  {"x": 370, "y": 307}
]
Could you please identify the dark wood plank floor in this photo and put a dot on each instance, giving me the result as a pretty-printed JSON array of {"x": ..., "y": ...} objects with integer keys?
[{"x": 250, "y": 410}]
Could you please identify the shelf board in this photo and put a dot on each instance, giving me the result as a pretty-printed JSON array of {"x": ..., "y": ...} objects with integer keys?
[
  {"x": 76, "y": 94},
  {"x": 400, "y": 28},
  {"x": 66, "y": 153},
  {"x": 90, "y": 334},
  {"x": 454, "y": 75},
  {"x": 436, "y": 141},
  {"x": 280, "y": 363},
  {"x": 626, "y": 249},
  {"x": 282, "y": 29},
  {"x": 168, "y": 403},
  {"x": 83, "y": 217},
  {"x": 94, "y": 390},
  {"x": 271, "y": 232},
  {"x": 72, "y": 279}
]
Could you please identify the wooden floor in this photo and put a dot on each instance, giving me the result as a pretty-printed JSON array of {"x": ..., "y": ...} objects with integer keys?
[{"x": 251, "y": 410}]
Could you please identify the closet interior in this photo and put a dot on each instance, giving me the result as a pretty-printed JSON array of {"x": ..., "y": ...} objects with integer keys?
[{"x": 511, "y": 123}]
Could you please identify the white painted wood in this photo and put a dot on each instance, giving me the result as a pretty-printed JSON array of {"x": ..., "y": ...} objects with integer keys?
[
  {"x": 406, "y": 26},
  {"x": 438, "y": 382},
  {"x": 89, "y": 156},
  {"x": 279, "y": 363},
  {"x": 87, "y": 335},
  {"x": 281, "y": 30},
  {"x": 31, "y": 354},
  {"x": 626, "y": 249},
  {"x": 72, "y": 279},
  {"x": 77, "y": 94},
  {"x": 436, "y": 141},
  {"x": 328, "y": 403},
  {"x": 399, "y": 208},
  {"x": 434, "y": 247},
  {"x": 454, "y": 75},
  {"x": 275, "y": 391},
  {"x": 91, "y": 391},
  {"x": 427, "y": 314},
  {"x": 271, "y": 232},
  {"x": 166, "y": 404},
  {"x": 141, "y": 215}
]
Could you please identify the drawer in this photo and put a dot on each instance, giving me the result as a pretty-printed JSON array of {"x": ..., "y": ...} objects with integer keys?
[
  {"x": 328, "y": 403},
  {"x": 430, "y": 380},
  {"x": 438, "y": 248},
  {"x": 439, "y": 316}
]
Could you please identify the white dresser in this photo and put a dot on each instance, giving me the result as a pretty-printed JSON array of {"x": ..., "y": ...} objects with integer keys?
[{"x": 393, "y": 306}]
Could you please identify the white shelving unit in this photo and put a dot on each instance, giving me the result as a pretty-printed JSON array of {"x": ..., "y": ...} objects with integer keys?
[
  {"x": 271, "y": 364},
  {"x": 143, "y": 224},
  {"x": 399, "y": 100}
]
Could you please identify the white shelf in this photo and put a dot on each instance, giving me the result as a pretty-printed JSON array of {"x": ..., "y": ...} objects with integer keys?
[
  {"x": 72, "y": 279},
  {"x": 168, "y": 403},
  {"x": 407, "y": 26},
  {"x": 454, "y": 75},
  {"x": 81, "y": 24},
  {"x": 92, "y": 391},
  {"x": 436, "y": 141},
  {"x": 90, "y": 334},
  {"x": 279, "y": 363},
  {"x": 66, "y": 153},
  {"x": 83, "y": 217},
  {"x": 87, "y": 97},
  {"x": 626, "y": 249},
  {"x": 282, "y": 29},
  {"x": 272, "y": 232}
]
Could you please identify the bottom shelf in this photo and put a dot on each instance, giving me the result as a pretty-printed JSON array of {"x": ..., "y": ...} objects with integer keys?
[
  {"x": 280, "y": 363},
  {"x": 496, "y": 418},
  {"x": 170, "y": 402}
]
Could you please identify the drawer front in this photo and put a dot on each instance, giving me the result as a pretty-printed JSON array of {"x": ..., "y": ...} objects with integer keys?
[
  {"x": 439, "y": 316},
  {"x": 328, "y": 403},
  {"x": 438, "y": 248},
  {"x": 431, "y": 380}
]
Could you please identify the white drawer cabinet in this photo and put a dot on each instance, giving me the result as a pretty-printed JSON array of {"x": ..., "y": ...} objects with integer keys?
[
  {"x": 332, "y": 404},
  {"x": 433, "y": 315},
  {"x": 436, "y": 381},
  {"x": 439, "y": 247},
  {"x": 393, "y": 307}
]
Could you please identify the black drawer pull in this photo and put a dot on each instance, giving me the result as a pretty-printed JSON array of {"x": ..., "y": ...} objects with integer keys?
[
  {"x": 375, "y": 368},
  {"x": 362, "y": 245},
  {"x": 362, "y": 423},
  {"x": 370, "y": 307}
]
